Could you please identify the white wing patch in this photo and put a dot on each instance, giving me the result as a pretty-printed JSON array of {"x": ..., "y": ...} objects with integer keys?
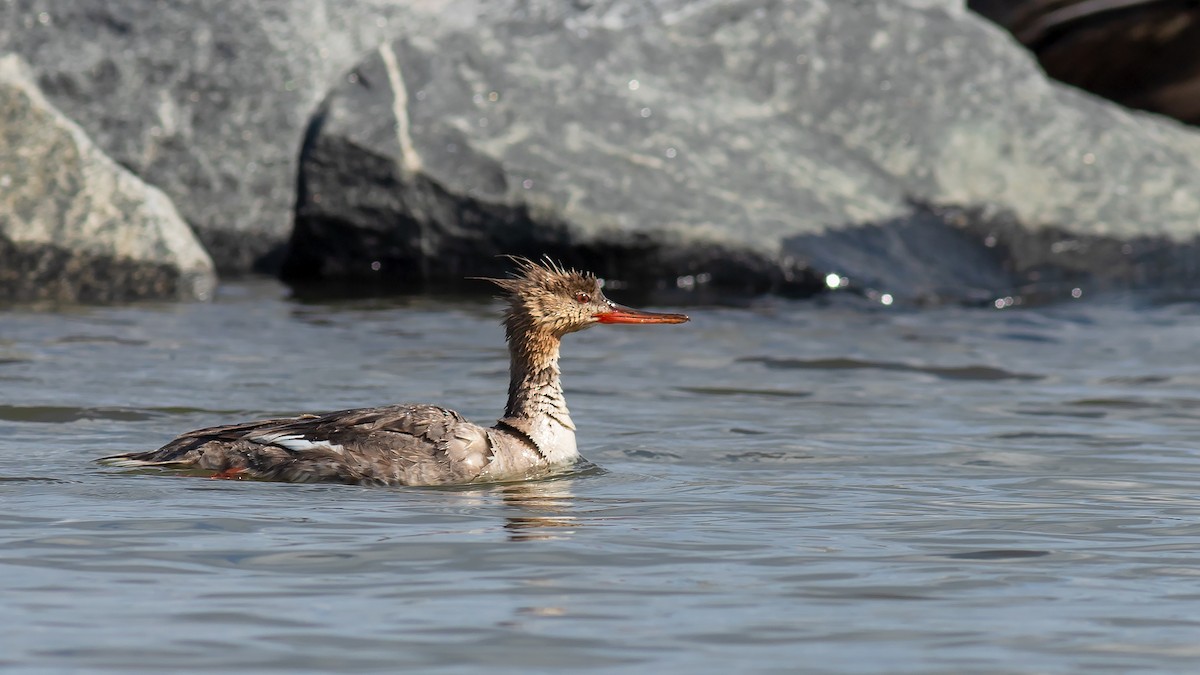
[
  {"x": 294, "y": 442},
  {"x": 125, "y": 462}
]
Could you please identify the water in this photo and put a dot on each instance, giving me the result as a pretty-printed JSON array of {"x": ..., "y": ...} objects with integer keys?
[{"x": 781, "y": 487}]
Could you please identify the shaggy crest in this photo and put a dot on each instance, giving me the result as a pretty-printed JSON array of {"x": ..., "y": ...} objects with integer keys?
[
  {"x": 547, "y": 276},
  {"x": 545, "y": 296}
]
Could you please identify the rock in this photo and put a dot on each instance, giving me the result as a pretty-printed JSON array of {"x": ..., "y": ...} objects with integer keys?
[
  {"x": 205, "y": 100},
  {"x": 1142, "y": 54},
  {"x": 74, "y": 226},
  {"x": 910, "y": 147}
]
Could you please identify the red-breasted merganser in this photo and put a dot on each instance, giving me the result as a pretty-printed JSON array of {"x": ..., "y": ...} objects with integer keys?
[{"x": 424, "y": 444}]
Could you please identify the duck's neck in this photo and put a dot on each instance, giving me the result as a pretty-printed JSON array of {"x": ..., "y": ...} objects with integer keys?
[{"x": 536, "y": 406}]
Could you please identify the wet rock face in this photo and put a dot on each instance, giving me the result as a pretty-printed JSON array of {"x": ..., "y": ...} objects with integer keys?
[
  {"x": 763, "y": 144},
  {"x": 1144, "y": 54},
  {"x": 74, "y": 226}
]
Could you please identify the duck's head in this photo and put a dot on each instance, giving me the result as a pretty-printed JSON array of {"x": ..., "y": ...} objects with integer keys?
[{"x": 547, "y": 298}]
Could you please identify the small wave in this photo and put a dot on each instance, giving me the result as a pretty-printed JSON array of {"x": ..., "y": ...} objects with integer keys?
[
  {"x": 1040, "y": 435},
  {"x": 1136, "y": 379},
  {"x": 657, "y": 455},
  {"x": 739, "y": 391},
  {"x": 974, "y": 373},
  {"x": 99, "y": 340},
  {"x": 996, "y": 554},
  {"x": 747, "y": 432},
  {"x": 1059, "y": 412},
  {"x": 759, "y": 456},
  {"x": 1112, "y": 403},
  {"x": 51, "y": 414}
]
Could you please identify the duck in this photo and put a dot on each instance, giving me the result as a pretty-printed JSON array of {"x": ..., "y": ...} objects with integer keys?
[{"x": 421, "y": 444}]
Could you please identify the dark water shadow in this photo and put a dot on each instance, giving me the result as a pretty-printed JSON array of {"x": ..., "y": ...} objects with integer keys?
[
  {"x": 970, "y": 373},
  {"x": 766, "y": 457},
  {"x": 50, "y": 414},
  {"x": 35, "y": 479},
  {"x": 996, "y": 554},
  {"x": 1061, "y": 412},
  {"x": 1136, "y": 379},
  {"x": 652, "y": 455},
  {"x": 741, "y": 391},
  {"x": 99, "y": 340},
  {"x": 1042, "y": 435}
]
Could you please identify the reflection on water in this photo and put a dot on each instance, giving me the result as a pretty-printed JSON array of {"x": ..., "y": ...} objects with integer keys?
[
  {"x": 872, "y": 491},
  {"x": 541, "y": 510}
]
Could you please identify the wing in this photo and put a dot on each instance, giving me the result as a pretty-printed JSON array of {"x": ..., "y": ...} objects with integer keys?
[{"x": 402, "y": 444}]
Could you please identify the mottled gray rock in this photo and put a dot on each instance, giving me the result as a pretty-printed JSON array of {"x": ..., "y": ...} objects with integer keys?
[
  {"x": 206, "y": 99},
  {"x": 74, "y": 226},
  {"x": 910, "y": 146},
  {"x": 831, "y": 118}
]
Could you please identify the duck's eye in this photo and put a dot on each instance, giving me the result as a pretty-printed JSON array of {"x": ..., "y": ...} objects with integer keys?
[{"x": 582, "y": 298}]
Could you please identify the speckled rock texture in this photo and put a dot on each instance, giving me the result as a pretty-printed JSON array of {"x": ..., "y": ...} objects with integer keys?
[
  {"x": 206, "y": 99},
  {"x": 910, "y": 146},
  {"x": 75, "y": 226}
]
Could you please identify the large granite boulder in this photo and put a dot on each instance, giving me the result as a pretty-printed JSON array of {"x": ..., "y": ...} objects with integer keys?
[
  {"x": 206, "y": 100},
  {"x": 906, "y": 148},
  {"x": 75, "y": 226}
]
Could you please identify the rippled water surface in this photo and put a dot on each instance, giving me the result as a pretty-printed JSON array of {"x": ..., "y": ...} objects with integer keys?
[{"x": 785, "y": 487}]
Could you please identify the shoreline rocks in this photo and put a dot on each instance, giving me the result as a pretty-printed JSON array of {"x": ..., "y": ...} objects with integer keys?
[
  {"x": 206, "y": 101},
  {"x": 910, "y": 148},
  {"x": 811, "y": 138},
  {"x": 74, "y": 226}
]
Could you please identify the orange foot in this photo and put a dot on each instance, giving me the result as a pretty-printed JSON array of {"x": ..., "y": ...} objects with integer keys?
[{"x": 229, "y": 474}]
